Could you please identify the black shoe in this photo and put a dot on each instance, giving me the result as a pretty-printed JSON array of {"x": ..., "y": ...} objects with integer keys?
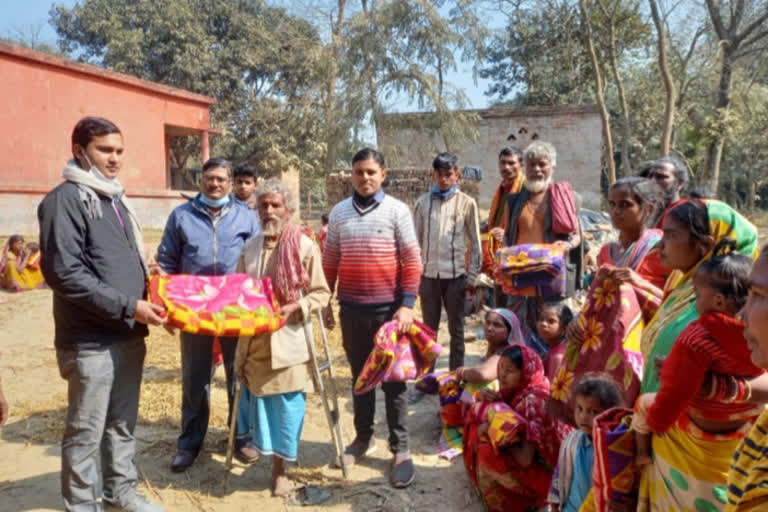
[
  {"x": 356, "y": 451},
  {"x": 402, "y": 475},
  {"x": 182, "y": 460}
]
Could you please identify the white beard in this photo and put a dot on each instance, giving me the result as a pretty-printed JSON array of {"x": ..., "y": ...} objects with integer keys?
[
  {"x": 537, "y": 186},
  {"x": 272, "y": 227}
]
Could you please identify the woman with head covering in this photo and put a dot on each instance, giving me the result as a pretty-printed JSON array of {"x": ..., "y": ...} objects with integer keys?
[
  {"x": 501, "y": 328},
  {"x": 20, "y": 266},
  {"x": 511, "y": 442},
  {"x": 691, "y": 462},
  {"x": 456, "y": 389}
]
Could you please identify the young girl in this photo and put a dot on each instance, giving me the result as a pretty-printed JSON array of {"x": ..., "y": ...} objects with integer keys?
[
  {"x": 573, "y": 475},
  {"x": 513, "y": 471},
  {"x": 714, "y": 343},
  {"x": 549, "y": 340}
]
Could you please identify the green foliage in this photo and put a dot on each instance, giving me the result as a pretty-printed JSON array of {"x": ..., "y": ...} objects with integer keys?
[
  {"x": 262, "y": 65},
  {"x": 405, "y": 48}
]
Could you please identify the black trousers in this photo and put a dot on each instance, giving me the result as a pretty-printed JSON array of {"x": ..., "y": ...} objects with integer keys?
[
  {"x": 436, "y": 293},
  {"x": 358, "y": 328}
]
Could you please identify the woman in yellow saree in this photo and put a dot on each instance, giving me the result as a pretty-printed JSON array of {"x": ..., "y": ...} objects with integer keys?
[
  {"x": 691, "y": 462},
  {"x": 20, "y": 266}
]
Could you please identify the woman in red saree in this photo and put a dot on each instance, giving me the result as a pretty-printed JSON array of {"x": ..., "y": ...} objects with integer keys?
[
  {"x": 511, "y": 443},
  {"x": 634, "y": 205}
]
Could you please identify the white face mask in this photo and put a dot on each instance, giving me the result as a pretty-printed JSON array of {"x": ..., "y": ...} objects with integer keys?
[{"x": 95, "y": 170}]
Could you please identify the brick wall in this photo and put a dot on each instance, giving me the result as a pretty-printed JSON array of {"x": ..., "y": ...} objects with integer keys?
[
  {"x": 575, "y": 131},
  {"x": 404, "y": 184}
]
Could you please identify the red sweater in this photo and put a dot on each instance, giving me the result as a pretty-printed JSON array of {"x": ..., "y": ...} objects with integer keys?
[{"x": 713, "y": 343}]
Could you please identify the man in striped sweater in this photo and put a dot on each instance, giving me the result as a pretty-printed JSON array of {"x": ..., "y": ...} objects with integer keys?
[{"x": 372, "y": 252}]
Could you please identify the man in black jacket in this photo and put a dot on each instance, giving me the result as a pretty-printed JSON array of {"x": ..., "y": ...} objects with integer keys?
[{"x": 92, "y": 258}]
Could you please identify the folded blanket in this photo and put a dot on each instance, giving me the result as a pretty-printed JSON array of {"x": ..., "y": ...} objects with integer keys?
[
  {"x": 564, "y": 217},
  {"x": 615, "y": 476},
  {"x": 455, "y": 398},
  {"x": 531, "y": 265},
  {"x": 612, "y": 324},
  {"x": 398, "y": 357},
  {"x": 505, "y": 426},
  {"x": 231, "y": 306}
]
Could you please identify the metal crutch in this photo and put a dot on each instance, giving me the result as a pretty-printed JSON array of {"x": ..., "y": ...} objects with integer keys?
[{"x": 331, "y": 414}]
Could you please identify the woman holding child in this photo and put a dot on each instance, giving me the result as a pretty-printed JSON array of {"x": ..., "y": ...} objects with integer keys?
[
  {"x": 511, "y": 442},
  {"x": 20, "y": 266},
  {"x": 690, "y": 461}
]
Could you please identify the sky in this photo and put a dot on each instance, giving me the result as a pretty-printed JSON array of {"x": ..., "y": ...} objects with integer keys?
[{"x": 30, "y": 17}]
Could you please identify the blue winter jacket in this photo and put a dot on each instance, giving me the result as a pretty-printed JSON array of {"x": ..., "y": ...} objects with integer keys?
[{"x": 196, "y": 242}]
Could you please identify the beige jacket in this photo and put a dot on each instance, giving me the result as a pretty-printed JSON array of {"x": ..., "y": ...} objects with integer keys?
[
  {"x": 445, "y": 230},
  {"x": 279, "y": 363}
]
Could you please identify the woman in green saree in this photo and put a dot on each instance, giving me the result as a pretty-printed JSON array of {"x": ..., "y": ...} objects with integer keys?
[{"x": 690, "y": 463}]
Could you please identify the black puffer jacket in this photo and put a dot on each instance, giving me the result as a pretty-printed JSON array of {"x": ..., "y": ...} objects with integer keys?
[{"x": 94, "y": 269}]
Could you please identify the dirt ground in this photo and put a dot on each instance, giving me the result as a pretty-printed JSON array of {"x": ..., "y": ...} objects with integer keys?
[{"x": 30, "y": 441}]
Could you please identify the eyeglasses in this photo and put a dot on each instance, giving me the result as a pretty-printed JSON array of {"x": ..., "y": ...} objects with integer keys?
[{"x": 215, "y": 179}]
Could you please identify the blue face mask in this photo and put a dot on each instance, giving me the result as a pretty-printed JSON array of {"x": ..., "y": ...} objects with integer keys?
[
  {"x": 214, "y": 203},
  {"x": 443, "y": 194}
]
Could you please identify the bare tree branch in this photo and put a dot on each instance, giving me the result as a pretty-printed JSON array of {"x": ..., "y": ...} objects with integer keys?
[{"x": 713, "y": 6}]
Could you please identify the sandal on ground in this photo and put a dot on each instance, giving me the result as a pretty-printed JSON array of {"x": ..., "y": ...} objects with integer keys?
[
  {"x": 402, "y": 474},
  {"x": 308, "y": 495},
  {"x": 247, "y": 454}
]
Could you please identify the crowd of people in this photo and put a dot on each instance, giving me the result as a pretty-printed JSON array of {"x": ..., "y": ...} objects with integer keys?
[{"x": 637, "y": 387}]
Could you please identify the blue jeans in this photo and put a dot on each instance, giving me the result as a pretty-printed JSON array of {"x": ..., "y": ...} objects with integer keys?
[
  {"x": 196, "y": 386},
  {"x": 98, "y": 447}
]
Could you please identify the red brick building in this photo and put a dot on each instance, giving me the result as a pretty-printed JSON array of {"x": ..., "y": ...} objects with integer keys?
[{"x": 43, "y": 98}]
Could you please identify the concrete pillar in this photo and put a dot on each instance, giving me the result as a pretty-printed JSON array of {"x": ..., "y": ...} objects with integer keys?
[
  {"x": 205, "y": 148},
  {"x": 291, "y": 177},
  {"x": 168, "y": 174}
]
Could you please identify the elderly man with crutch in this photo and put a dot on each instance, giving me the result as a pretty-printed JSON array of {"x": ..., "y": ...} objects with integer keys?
[{"x": 275, "y": 369}]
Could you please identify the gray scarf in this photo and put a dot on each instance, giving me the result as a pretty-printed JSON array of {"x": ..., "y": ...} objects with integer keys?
[{"x": 91, "y": 186}]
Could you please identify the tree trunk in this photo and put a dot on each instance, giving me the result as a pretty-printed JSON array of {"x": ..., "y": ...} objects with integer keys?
[
  {"x": 626, "y": 163},
  {"x": 370, "y": 73},
  {"x": 715, "y": 147},
  {"x": 604, "y": 116},
  {"x": 332, "y": 138},
  {"x": 669, "y": 85}
]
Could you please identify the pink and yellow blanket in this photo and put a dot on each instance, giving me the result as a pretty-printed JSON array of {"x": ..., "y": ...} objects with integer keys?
[
  {"x": 398, "y": 357},
  {"x": 229, "y": 306}
]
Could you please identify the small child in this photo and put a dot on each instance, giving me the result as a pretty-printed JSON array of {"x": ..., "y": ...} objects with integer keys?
[
  {"x": 549, "y": 339},
  {"x": 713, "y": 343},
  {"x": 572, "y": 480}
]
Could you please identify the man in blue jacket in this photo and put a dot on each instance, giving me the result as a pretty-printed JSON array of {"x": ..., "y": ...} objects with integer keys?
[{"x": 204, "y": 237}]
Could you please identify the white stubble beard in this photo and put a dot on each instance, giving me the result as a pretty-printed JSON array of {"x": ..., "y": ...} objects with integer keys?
[
  {"x": 537, "y": 186},
  {"x": 272, "y": 227}
]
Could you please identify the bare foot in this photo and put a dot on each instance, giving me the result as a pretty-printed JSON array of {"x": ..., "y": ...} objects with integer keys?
[
  {"x": 282, "y": 487},
  {"x": 643, "y": 460}
]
